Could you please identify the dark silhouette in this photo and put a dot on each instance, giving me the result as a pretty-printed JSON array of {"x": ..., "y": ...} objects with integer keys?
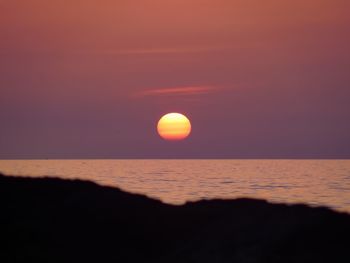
[{"x": 55, "y": 220}]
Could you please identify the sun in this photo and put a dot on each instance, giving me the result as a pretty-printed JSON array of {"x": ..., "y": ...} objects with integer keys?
[{"x": 174, "y": 126}]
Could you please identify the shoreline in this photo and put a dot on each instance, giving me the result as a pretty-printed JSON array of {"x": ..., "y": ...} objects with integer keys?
[{"x": 55, "y": 220}]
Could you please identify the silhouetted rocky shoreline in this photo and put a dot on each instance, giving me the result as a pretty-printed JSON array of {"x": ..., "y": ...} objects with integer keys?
[{"x": 55, "y": 220}]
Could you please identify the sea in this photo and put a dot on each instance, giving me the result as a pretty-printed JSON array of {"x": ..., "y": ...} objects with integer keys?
[{"x": 314, "y": 182}]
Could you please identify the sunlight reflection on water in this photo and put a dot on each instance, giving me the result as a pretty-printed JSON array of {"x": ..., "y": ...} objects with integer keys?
[{"x": 316, "y": 182}]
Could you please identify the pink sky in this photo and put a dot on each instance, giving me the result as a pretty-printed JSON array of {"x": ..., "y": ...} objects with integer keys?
[{"x": 258, "y": 79}]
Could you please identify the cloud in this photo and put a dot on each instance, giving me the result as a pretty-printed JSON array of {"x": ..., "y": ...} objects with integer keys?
[
  {"x": 169, "y": 50},
  {"x": 178, "y": 91}
]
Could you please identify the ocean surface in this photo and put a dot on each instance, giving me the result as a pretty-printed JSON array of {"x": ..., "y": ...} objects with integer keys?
[{"x": 315, "y": 182}]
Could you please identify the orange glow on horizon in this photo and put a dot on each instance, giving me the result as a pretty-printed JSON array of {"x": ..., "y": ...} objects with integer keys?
[{"x": 174, "y": 126}]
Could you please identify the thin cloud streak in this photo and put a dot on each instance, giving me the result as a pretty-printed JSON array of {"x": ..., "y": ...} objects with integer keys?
[
  {"x": 171, "y": 50},
  {"x": 178, "y": 91}
]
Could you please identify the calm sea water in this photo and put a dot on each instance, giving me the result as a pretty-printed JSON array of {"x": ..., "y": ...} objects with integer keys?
[{"x": 316, "y": 182}]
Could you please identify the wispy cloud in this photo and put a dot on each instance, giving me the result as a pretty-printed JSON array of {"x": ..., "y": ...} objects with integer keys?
[
  {"x": 168, "y": 50},
  {"x": 178, "y": 91}
]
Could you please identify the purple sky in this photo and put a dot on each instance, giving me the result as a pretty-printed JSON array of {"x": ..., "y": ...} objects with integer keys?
[{"x": 257, "y": 79}]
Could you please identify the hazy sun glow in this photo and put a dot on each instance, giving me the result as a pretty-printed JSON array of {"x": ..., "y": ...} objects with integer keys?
[{"x": 174, "y": 126}]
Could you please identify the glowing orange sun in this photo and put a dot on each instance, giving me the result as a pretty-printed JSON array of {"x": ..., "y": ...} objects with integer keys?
[{"x": 174, "y": 126}]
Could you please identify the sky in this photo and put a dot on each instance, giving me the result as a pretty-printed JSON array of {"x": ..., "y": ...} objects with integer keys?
[{"x": 257, "y": 79}]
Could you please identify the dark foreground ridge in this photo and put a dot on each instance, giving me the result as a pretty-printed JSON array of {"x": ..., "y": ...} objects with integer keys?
[{"x": 54, "y": 220}]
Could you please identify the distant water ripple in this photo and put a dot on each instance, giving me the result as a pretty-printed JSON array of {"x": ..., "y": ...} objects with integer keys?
[{"x": 316, "y": 182}]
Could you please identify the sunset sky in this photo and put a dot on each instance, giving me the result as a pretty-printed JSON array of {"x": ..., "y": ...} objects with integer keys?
[{"x": 257, "y": 79}]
